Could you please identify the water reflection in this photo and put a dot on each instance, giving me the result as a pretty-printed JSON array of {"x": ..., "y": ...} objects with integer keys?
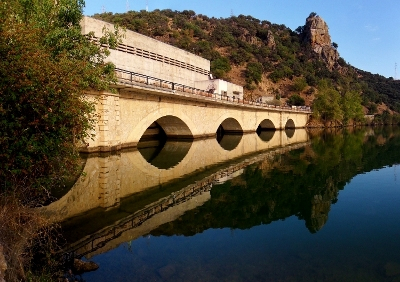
[
  {"x": 229, "y": 141},
  {"x": 289, "y": 132},
  {"x": 257, "y": 186},
  {"x": 110, "y": 178},
  {"x": 164, "y": 154},
  {"x": 266, "y": 135},
  {"x": 115, "y": 186}
]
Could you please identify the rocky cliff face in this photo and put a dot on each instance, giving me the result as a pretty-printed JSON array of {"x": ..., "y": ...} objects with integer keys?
[{"x": 316, "y": 33}]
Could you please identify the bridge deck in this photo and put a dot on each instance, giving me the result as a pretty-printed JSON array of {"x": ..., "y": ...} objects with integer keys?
[{"x": 129, "y": 80}]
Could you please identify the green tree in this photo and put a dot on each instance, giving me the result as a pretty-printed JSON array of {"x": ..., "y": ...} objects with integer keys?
[
  {"x": 327, "y": 104},
  {"x": 45, "y": 66},
  {"x": 220, "y": 67},
  {"x": 351, "y": 106}
]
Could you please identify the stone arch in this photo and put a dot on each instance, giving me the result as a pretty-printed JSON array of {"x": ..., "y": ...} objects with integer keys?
[
  {"x": 229, "y": 133},
  {"x": 229, "y": 123},
  {"x": 290, "y": 124},
  {"x": 175, "y": 125},
  {"x": 231, "y": 126}
]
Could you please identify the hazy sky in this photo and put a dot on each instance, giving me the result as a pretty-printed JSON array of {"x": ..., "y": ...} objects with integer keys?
[{"x": 367, "y": 31}]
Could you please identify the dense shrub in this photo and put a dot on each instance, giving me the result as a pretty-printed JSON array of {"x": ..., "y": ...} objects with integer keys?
[
  {"x": 253, "y": 72},
  {"x": 299, "y": 84},
  {"x": 295, "y": 100},
  {"x": 220, "y": 66}
]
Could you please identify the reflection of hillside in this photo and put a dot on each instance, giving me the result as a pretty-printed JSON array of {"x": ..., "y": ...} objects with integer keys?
[
  {"x": 305, "y": 184},
  {"x": 259, "y": 199}
]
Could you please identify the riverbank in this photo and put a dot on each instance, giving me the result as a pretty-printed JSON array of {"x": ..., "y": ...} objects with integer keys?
[{"x": 21, "y": 228}]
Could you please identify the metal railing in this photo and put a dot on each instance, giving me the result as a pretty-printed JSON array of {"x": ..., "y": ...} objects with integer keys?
[{"x": 131, "y": 77}]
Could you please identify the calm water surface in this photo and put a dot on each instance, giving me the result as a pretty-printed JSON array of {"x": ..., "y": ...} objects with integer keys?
[{"x": 324, "y": 207}]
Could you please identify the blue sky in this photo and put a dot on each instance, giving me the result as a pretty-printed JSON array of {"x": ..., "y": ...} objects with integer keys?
[{"x": 367, "y": 31}]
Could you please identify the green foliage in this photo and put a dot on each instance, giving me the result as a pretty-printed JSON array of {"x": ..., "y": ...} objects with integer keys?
[
  {"x": 351, "y": 106},
  {"x": 240, "y": 56},
  {"x": 310, "y": 77},
  {"x": 299, "y": 84},
  {"x": 220, "y": 67},
  {"x": 281, "y": 71},
  {"x": 372, "y": 108},
  {"x": 253, "y": 72},
  {"x": 46, "y": 64},
  {"x": 295, "y": 100},
  {"x": 327, "y": 104},
  {"x": 222, "y": 36}
]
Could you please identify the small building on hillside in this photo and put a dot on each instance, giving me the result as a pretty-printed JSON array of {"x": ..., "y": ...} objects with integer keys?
[{"x": 220, "y": 88}]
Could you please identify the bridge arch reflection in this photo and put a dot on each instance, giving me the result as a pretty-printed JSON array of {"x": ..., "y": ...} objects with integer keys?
[
  {"x": 229, "y": 134},
  {"x": 266, "y": 124},
  {"x": 290, "y": 132},
  {"x": 266, "y": 135},
  {"x": 290, "y": 124},
  {"x": 164, "y": 154}
]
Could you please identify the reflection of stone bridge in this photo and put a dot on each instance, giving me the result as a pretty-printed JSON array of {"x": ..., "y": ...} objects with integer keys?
[
  {"x": 162, "y": 88},
  {"x": 159, "y": 211},
  {"x": 108, "y": 179}
]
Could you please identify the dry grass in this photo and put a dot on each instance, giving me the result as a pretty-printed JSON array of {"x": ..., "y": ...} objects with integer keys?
[{"x": 20, "y": 228}]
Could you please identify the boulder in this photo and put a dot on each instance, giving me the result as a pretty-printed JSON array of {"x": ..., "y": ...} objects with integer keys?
[{"x": 81, "y": 266}]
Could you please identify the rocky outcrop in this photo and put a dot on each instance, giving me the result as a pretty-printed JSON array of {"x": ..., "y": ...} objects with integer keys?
[
  {"x": 251, "y": 39},
  {"x": 271, "y": 40},
  {"x": 316, "y": 33}
]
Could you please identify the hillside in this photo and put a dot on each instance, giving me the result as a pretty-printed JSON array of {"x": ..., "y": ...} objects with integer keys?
[{"x": 268, "y": 59}]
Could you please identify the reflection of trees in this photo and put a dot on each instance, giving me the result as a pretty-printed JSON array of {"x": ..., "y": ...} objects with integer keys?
[{"x": 303, "y": 183}]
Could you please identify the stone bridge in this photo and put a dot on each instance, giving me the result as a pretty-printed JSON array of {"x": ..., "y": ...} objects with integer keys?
[{"x": 138, "y": 110}]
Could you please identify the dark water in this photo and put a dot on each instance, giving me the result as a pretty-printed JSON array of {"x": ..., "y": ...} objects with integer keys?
[{"x": 328, "y": 210}]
